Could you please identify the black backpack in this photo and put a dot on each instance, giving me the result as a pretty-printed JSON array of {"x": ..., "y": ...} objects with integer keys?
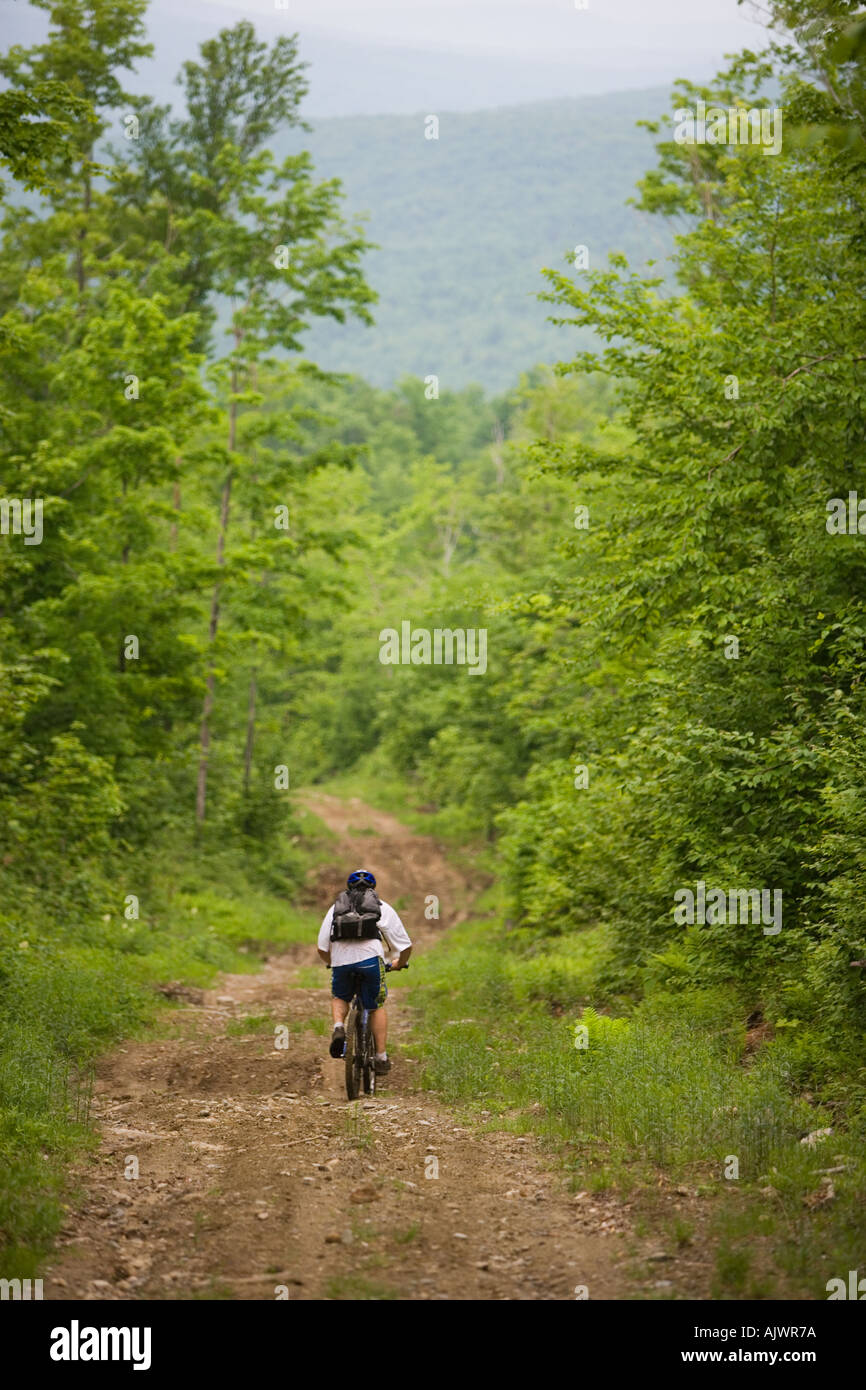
[{"x": 356, "y": 915}]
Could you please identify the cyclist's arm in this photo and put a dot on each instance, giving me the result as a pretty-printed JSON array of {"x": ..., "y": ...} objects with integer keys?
[
  {"x": 323, "y": 945},
  {"x": 398, "y": 938}
]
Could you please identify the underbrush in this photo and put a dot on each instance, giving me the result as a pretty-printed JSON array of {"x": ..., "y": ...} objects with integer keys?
[
  {"x": 666, "y": 1085},
  {"x": 79, "y": 963}
]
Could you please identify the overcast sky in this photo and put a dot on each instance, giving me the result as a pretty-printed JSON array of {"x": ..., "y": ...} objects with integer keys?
[
  {"x": 389, "y": 56},
  {"x": 550, "y": 28}
]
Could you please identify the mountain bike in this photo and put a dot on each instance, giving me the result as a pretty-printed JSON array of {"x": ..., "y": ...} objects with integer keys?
[{"x": 360, "y": 1053}]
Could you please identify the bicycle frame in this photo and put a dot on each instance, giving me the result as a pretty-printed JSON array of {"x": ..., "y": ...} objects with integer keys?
[{"x": 360, "y": 1050}]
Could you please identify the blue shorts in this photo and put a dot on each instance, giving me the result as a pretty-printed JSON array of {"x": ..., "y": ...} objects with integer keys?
[{"x": 368, "y": 975}]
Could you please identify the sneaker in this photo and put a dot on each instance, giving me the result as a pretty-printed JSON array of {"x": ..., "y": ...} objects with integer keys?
[
  {"x": 380, "y": 1066},
  {"x": 338, "y": 1041}
]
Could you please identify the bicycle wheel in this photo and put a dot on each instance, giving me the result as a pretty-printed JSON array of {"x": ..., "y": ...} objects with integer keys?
[
  {"x": 352, "y": 1053},
  {"x": 368, "y": 1052}
]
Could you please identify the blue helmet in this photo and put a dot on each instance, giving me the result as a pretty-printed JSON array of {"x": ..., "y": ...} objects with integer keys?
[{"x": 360, "y": 876}]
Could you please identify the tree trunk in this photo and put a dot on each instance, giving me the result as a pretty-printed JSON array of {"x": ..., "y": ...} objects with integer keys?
[
  {"x": 450, "y": 536},
  {"x": 124, "y": 560},
  {"x": 498, "y": 460},
  {"x": 175, "y": 501},
  {"x": 210, "y": 684},
  {"x": 80, "y": 274},
  {"x": 207, "y": 708},
  {"x": 251, "y": 732}
]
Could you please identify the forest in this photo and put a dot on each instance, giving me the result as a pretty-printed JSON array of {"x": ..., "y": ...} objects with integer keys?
[{"x": 661, "y": 771}]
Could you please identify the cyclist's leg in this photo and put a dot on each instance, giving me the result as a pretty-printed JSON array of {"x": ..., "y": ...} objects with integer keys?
[
  {"x": 342, "y": 988},
  {"x": 374, "y": 992},
  {"x": 379, "y": 1023}
]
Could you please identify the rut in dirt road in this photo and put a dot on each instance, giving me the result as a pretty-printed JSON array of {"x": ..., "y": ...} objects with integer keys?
[{"x": 257, "y": 1179}]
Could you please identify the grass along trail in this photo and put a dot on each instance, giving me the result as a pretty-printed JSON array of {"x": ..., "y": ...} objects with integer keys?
[{"x": 255, "y": 1172}]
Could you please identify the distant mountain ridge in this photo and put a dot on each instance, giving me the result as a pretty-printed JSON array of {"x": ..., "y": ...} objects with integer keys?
[{"x": 466, "y": 222}]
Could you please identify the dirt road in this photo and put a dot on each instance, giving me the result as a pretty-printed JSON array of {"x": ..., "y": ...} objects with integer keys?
[{"x": 257, "y": 1179}]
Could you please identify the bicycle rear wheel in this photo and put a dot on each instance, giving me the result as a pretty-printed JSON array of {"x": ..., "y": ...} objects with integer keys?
[
  {"x": 353, "y": 1054},
  {"x": 368, "y": 1054}
]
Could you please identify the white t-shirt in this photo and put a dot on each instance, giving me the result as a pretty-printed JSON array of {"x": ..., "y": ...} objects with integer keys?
[{"x": 350, "y": 952}]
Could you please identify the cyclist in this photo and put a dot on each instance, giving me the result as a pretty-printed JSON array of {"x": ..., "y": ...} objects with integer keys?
[{"x": 364, "y": 958}]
